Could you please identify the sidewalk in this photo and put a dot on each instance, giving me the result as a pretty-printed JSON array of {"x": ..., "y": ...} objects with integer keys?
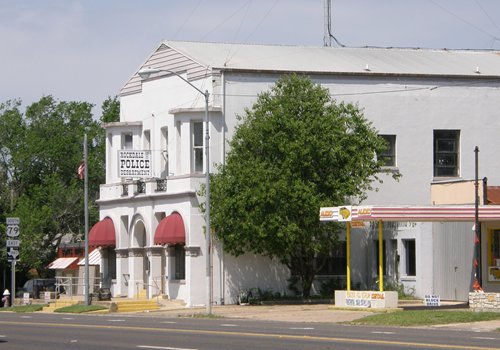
[{"x": 309, "y": 313}]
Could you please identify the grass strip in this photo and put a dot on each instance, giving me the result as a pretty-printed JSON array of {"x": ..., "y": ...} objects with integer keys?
[
  {"x": 78, "y": 309},
  {"x": 426, "y": 318}
]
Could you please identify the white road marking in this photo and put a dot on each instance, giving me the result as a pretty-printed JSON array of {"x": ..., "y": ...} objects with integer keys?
[
  {"x": 68, "y": 318},
  {"x": 26, "y": 316},
  {"x": 486, "y": 338},
  {"x": 375, "y": 332},
  {"x": 301, "y": 328},
  {"x": 2, "y": 336},
  {"x": 228, "y": 325},
  {"x": 169, "y": 322},
  {"x": 161, "y": 347},
  {"x": 116, "y": 320},
  {"x": 73, "y": 341}
]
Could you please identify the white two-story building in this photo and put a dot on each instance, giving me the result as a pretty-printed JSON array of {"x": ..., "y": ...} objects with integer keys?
[{"x": 432, "y": 106}]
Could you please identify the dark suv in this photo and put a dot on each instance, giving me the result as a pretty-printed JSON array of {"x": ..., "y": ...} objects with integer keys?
[{"x": 36, "y": 287}]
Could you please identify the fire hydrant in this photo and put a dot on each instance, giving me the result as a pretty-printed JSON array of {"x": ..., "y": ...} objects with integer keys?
[{"x": 6, "y": 298}]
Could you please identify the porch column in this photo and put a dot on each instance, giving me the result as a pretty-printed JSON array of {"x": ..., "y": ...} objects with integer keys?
[
  {"x": 122, "y": 275},
  {"x": 380, "y": 256},
  {"x": 348, "y": 253},
  {"x": 136, "y": 268},
  {"x": 155, "y": 273}
]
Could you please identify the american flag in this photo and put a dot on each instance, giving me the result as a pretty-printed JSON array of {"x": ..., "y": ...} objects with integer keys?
[{"x": 81, "y": 170}]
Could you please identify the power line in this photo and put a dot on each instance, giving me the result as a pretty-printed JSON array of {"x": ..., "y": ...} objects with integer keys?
[
  {"x": 494, "y": 37},
  {"x": 187, "y": 19}
]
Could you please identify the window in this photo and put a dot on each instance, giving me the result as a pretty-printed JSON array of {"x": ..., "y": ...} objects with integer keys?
[
  {"x": 180, "y": 262},
  {"x": 446, "y": 157},
  {"x": 410, "y": 260},
  {"x": 333, "y": 264},
  {"x": 389, "y": 155},
  {"x": 495, "y": 247},
  {"x": 164, "y": 152},
  {"x": 494, "y": 255},
  {"x": 127, "y": 141},
  {"x": 147, "y": 139},
  {"x": 336, "y": 262},
  {"x": 198, "y": 147}
]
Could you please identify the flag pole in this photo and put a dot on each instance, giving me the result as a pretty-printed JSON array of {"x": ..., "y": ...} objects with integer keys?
[{"x": 86, "y": 211}]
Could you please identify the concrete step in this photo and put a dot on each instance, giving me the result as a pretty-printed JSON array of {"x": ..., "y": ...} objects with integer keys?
[
  {"x": 142, "y": 295},
  {"x": 59, "y": 304},
  {"x": 136, "y": 305}
]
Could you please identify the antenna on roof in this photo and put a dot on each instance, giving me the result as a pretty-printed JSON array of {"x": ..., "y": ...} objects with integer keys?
[{"x": 327, "y": 38}]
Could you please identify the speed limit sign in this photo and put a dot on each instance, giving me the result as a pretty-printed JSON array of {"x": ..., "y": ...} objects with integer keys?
[{"x": 12, "y": 227}]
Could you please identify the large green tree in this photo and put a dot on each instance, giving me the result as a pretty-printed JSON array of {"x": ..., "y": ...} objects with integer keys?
[
  {"x": 40, "y": 151},
  {"x": 293, "y": 152}
]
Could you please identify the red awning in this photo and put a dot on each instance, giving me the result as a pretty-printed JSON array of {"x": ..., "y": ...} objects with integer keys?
[
  {"x": 102, "y": 234},
  {"x": 170, "y": 230}
]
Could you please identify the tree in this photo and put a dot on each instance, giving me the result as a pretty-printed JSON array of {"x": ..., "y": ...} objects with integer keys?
[
  {"x": 40, "y": 151},
  {"x": 294, "y": 151}
]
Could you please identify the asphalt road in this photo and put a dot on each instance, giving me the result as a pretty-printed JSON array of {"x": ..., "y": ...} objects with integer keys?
[{"x": 89, "y": 332}]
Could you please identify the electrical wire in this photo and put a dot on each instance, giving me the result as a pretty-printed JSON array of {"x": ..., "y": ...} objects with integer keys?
[
  {"x": 253, "y": 31},
  {"x": 187, "y": 19},
  {"x": 225, "y": 20},
  {"x": 494, "y": 37}
]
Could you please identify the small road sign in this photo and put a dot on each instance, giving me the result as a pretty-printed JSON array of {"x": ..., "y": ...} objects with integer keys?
[
  {"x": 12, "y": 254},
  {"x": 13, "y": 227},
  {"x": 14, "y": 243}
]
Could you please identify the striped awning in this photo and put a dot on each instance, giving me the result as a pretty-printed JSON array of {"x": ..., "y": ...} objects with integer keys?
[
  {"x": 61, "y": 263},
  {"x": 456, "y": 213},
  {"x": 94, "y": 258}
]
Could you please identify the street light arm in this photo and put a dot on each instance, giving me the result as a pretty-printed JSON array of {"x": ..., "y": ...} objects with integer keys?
[{"x": 146, "y": 72}]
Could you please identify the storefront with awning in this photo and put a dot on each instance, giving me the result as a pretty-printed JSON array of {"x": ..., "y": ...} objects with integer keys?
[
  {"x": 102, "y": 234},
  {"x": 171, "y": 233},
  {"x": 103, "y": 237},
  {"x": 484, "y": 265}
]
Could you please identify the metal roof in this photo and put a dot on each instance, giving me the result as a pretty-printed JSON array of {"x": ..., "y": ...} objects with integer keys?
[
  {"x": 61, "y": 263},
  {"x": 391, "y": 61}
]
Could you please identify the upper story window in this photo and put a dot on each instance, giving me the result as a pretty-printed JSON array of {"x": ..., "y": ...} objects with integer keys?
[
  {"x": 446, "y": 153},
  {"x": 147, "y": 140},
  {"x": 197, "y": 142},
  {"x": 127, "y": 142},
  {"x": 389, "y": 155}
]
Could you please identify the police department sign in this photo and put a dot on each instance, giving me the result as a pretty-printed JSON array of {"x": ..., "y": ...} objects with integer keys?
[{"x": 134, "y": 163}]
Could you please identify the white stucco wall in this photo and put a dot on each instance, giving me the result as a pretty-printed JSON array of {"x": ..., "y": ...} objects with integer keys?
[{"x": 410, "y": 108}]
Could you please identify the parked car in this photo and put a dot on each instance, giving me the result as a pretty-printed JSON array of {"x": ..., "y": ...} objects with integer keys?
[{"x": 36, "y": 287}]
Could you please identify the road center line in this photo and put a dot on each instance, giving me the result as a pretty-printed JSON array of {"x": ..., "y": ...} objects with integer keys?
[
  {"x": 161, "y": 347},
  {"x": 376, "y": 332},
  {"x": 249, "y": 334},
  {"x": 228, "y": 325},
  {"x": 301, "y": 328}
]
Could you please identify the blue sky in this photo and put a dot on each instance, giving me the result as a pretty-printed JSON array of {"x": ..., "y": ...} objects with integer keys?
[{"x": 86, "y": 50}]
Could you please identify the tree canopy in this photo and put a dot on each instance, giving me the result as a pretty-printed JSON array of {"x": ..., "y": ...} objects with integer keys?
[
  {"x": 293, "y": 152},
  {"x": 40, "y": 151}
]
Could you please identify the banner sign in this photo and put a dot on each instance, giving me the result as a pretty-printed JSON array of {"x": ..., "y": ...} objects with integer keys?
[{"x": 134, "y": 164}]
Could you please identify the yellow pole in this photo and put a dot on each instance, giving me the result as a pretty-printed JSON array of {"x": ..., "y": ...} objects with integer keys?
[
  {"x": 348, "y": 248},
  {"x": 380, "y": 257}
]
